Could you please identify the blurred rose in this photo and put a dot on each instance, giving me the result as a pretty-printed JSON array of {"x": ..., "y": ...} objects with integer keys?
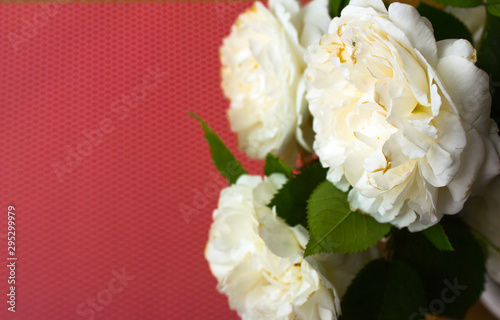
[
  {"x": 473, "y": 18},
  {"x": 483, "y": 214},
  {"x": 262, "y": 75}
]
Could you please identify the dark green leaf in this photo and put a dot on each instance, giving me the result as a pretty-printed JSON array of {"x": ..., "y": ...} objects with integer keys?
[
  {"x": 454, "y": 279},
  {"x": 222, "y": 157},
  {"x": 445, "y": 25},
  {"x": 291, "y": 199},
  {"x": 384, "y": 291},
  {"x": 488, "y": 60},
  {"x": 438, "y": 238},
  {"x": 276, "y": 165},
  {"x": 461, "y": 3},
  {"x": 336, "y": 7},
  {"x": 333, "y": 227}
]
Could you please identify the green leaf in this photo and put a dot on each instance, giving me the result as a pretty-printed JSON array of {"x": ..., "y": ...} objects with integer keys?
[
  {"x": 224, "y": 160},
  {"x": 291, "y": 199},
  {"x": 438, "y": 238},
  {"x": 276, "y": 165},
  {"x": 333, "y": 227},
  {"x": 445, "y": 25},
  {"x": 494, "y": 7},
  {"x": 384, "y": 290},
  {"x": 336, "y": 7},
  {"x": 461, "y": 3},
  {"x": 488, "y": 59},
  {"x": 456, "y": 278},
  {"x": 494, "y": 10}
]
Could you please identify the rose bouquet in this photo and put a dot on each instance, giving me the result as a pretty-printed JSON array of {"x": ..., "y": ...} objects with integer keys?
[{"x": 379, "y": 197}]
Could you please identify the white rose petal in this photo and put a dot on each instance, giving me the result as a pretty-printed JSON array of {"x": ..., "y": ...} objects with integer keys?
[
  {"x": 258, "y": 259},
  {"x": 262, "y": 75},
  {"x": 401, "y": 118}
]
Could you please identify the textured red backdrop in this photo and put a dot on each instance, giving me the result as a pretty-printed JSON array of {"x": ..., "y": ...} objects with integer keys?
[{"x": 102, "y": 185}]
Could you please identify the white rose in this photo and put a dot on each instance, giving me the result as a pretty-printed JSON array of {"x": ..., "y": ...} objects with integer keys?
[
  {"x": 482, "y": 212},
  {"x": 258, "y": 259},
  {"x": 402, "y": 119},
  {"x": 262, "y": 72}
]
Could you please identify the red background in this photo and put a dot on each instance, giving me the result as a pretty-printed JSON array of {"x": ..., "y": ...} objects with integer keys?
[{"x": 62, "y": 66}]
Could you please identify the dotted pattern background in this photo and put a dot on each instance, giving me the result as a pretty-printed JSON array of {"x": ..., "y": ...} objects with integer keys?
[{"x": 141, "y": 198}]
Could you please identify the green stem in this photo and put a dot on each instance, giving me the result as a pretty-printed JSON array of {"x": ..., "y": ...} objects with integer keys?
[{"x": 485, "y": 240}]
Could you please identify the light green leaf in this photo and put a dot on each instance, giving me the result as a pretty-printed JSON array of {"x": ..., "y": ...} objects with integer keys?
[
  {"x": 461, "y": 3},
  {"x": 333, "y": 227},
  {"x": 224, "y": 160},
  {"x": 386, "y": 291},
  {"x": 276, "y": 165},
  {"x": 438, "y": 238},
  {"x": 291, "y": 199}
]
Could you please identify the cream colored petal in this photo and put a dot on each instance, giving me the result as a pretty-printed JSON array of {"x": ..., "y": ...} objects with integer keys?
[
  {"x": 469, "y": 88},
  {"x": 416, "y": 28}
]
